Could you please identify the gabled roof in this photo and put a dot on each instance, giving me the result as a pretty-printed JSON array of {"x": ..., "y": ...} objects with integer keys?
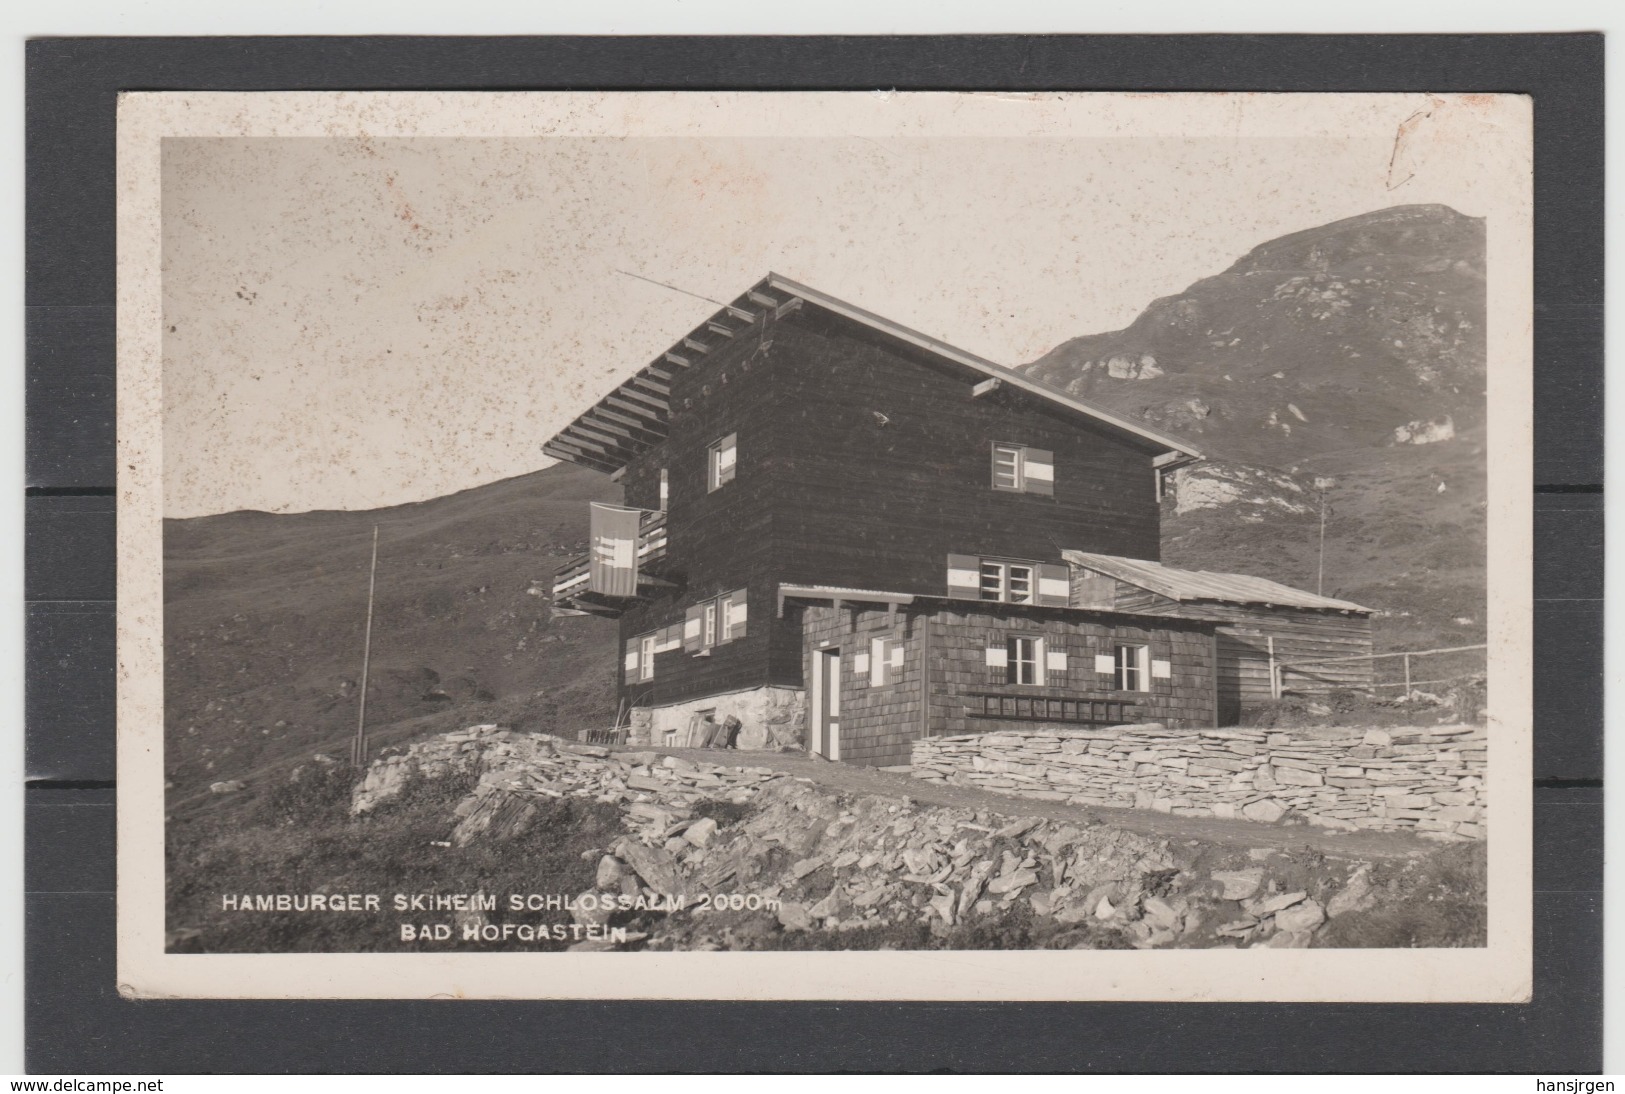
[
  {"x": 1187, "y": 585},
  {"x": 635, "y": 416}
]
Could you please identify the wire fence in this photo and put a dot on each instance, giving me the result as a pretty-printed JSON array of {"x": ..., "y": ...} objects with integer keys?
[{"x": 1408, "y": 670}]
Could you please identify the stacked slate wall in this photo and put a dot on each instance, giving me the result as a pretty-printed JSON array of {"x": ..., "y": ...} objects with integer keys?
[{"x": 1430, "y": 780}]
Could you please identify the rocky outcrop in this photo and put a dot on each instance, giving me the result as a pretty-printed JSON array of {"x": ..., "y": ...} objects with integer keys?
[
  {"x": 1260, "y": 491},
  {"x": 770, "y": 718},
  {"x": 1426, "y": 431},
  {"x": 722, "y": 851},
  {"x": 1430, "y": 780},
  {"x": 506, "y": 765}
]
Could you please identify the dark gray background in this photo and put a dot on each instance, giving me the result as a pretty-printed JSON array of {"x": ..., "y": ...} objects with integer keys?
[{"x": 77, "y": 1023}]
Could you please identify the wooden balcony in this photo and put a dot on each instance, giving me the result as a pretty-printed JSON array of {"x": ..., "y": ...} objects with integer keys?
[{"x": 570, "y": 581}]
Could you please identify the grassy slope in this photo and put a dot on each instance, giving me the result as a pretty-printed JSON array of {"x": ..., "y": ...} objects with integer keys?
[{"x": 264, "y": 617}]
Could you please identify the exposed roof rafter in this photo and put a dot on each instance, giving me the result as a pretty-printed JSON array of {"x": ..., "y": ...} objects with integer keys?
[{"x": 641, "y": 406}]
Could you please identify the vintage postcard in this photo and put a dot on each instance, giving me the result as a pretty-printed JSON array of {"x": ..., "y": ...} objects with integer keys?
[{"x": 825, "y": 546}]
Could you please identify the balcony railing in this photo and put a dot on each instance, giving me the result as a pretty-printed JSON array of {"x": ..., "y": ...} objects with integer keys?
[{"x": 572, "y": 578}]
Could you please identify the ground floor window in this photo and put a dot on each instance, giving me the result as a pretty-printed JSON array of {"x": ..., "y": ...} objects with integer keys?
[
  {"x": 1024, "y": 660},
  {"x": 1131, "y": 661},
  {"x": 646, "y": 657}
]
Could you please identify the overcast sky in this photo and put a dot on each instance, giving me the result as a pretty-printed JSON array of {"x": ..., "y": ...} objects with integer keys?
[{"x": 353, "y": 323}]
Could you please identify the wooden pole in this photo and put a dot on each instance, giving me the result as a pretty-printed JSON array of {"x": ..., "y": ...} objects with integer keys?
[
  {"x": 925, "y": 674},
  {"x": 358, "y": 752},
  {"x": 1320, "y": 570}
]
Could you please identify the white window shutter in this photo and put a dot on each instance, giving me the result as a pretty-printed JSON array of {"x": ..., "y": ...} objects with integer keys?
[
  {"x": 964, "y": 577},
  {"x": 1054, "y": 585},
  {"x": 860, "y": 665},
  {"x": 727, "y": 458},
  {"x": 1055, "y": 660},
  {"x": 1105, "y": 664},
  {"x": 877, "y": 662},
  {"x": 998, "y": 661},
  {"x": 737, "y": 613},
  {"x": 897, "y": 655},
  {"x": 1038, "y": 471},
  {"x": 631, "y": 661},
  {"x": 1162, "y": 670},
  {"x": 693, "y": 629}
]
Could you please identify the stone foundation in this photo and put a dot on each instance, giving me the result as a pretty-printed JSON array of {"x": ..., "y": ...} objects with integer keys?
[
  {"x": 770, "y": 718},
  {"x": 1426, "y": 779}
]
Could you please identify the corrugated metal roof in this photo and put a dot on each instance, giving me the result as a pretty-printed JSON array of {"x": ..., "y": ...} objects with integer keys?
[{"x": 1203, "y": 584}]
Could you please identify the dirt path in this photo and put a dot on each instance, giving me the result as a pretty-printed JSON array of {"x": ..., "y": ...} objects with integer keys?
[{"x": 854, "y": 779}]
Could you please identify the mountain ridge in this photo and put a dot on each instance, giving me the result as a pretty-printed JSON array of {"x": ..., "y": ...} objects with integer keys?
[{"x": 1341, "y": 364}]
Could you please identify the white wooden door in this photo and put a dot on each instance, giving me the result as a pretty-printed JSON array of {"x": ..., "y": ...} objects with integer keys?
[{"x": 828, "y": 743}]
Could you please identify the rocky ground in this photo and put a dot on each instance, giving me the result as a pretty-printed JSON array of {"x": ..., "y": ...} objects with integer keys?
[{"x": 763, "y": 858}]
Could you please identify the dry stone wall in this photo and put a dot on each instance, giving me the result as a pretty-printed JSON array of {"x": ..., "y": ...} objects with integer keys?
[
  {"x": 770, "y": 718},
  {"x": 1428, "y": 779},
  {"x": 778, "y": 853}
]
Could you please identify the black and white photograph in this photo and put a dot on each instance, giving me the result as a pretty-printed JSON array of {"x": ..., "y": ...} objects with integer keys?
[{"x": 1057, "y": 546}]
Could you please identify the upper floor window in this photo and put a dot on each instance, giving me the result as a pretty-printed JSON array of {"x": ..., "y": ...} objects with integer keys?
[
  {"x": 1009, "y": 582},
  {"x": 722, "y": 461},
  {"x": 1023, "y": 470},
  {"x": 1045, "y": 584}
]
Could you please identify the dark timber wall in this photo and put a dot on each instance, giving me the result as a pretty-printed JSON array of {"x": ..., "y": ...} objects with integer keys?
[
  {"x": 721, "y": 540},
  {"x": 862, "y": 462},
  {"x": 881, "y": 459}
]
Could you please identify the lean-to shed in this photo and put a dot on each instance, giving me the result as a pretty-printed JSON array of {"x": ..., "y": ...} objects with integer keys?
[{"x": 1263, "y": 624}]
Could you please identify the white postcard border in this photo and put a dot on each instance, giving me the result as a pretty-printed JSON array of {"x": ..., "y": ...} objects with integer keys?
[{"x": 1491, "y": 136}]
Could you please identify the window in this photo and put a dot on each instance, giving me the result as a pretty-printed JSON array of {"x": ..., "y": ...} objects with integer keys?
[
  {"x": 714, "y": 622},
  {"x": 1023, "y": 470},
  {"x": 1044, "y": 584},
  {"x": 646, "y": 657},
  {"x": 1024, "y": 660},
  {"x": 1131, "y": 668},
  {"x": 723, "y": 459},
  {"x": 1010, "y": 582},
  {"x": 1006, "y": 467},
  {"x": 665, "y": 489},
  {"x": 640, "y": 657}
]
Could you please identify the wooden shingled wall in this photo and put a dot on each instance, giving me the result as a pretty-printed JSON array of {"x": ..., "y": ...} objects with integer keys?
[{"x": 879, "y": 724}]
